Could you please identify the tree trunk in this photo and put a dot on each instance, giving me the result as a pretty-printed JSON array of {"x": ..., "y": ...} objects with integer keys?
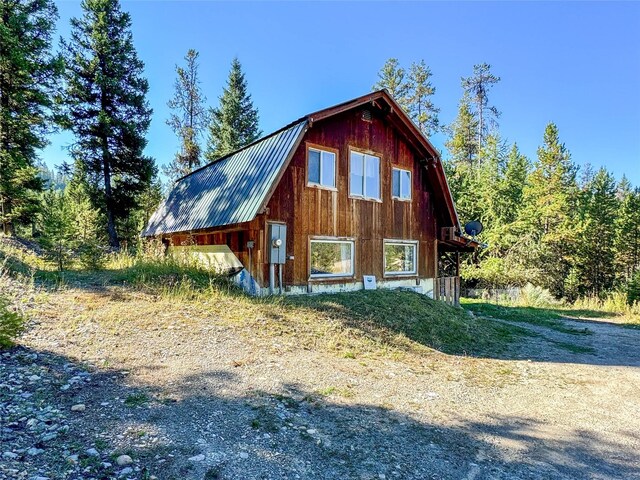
[{"x": 108, "y": 194}]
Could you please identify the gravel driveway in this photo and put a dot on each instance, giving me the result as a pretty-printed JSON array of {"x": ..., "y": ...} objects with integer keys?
[{"x": 192, "y": 397}]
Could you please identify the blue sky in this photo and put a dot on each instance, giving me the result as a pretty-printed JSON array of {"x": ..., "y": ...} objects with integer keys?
[{"x": 576, "y": 64}]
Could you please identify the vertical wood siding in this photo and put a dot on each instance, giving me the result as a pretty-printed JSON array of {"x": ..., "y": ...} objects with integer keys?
[{"x": 311, "y": 211}]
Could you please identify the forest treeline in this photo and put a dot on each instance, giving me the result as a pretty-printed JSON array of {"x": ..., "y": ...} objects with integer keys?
[{"x": 574, "y": 231}]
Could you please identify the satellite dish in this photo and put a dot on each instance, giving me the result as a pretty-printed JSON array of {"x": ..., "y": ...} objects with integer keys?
[{"x": 473, "y": 228}]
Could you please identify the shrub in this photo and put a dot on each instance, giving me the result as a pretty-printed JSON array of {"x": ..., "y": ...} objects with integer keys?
[
  {"x": 12, "y": 323},
  {"x": 533, "y": 296},
  {"x": 633, "y": 290},
  {"x": 91, "y": 255}
]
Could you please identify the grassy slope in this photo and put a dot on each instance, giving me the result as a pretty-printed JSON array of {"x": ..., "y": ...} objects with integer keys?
[{"x": 358, "y": 323}]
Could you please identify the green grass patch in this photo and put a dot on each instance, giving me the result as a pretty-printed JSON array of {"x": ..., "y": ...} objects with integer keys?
[
  {"x": 544, "y": 317},
  {"x": 573, "y": 348},
  {"x": 387, "y": 314},
  {"x": 136, "y": 400}
]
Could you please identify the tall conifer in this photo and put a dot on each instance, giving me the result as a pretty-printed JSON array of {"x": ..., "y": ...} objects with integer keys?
[
  {"x": 107, "y": 110},
  {"x": 188, "y": 118},
  {"x": 28, "y": 73},
  {"x": 235, "y": 123}
]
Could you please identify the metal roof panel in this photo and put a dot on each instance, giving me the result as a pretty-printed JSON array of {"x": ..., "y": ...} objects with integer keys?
[{"x": 227, "y": 191}]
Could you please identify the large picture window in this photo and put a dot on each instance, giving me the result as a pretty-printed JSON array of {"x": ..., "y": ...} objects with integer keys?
[
  {"x": 401, "y": 184},
  {"x": 331, "y": 258},
  {"x": 322, "y": 168},
  {"x": 400, "y": 258},
  {"x": 365, "y": 176}
]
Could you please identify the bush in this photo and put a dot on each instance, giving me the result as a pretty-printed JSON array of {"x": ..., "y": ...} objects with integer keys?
[
  {"x": 532, "y": 296},
  {"x": 12, "y": 323},
  {"x": 633, "y": 290},
  {"x": 91, "y": 255}
]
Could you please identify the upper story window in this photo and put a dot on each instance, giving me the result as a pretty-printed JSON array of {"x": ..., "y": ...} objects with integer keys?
[
  {"x": 364, "y": 176},
  {"x": 401, "y": 184},
  {"x": 321, "y": 168}
]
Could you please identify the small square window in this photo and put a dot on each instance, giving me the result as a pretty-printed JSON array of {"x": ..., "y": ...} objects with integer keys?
[
  {"x": 401, "y": 184},
  {"x": 400, "y": 258},
  {"x": 322, "y": 168}
]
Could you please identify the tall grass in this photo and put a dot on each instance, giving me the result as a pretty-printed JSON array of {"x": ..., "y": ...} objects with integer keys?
[{"x": 614, "y": 303}]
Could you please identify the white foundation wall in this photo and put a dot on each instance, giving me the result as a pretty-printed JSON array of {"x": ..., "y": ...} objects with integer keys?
[{"x": 423, "y": 286}]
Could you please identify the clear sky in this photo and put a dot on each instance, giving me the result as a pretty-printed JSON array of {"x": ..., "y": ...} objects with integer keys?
[{"x": 576, "y": 64}]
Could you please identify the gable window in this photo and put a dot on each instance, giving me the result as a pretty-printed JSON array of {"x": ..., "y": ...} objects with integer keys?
[
  {"x": 365, "y": 176},
  {"x": 331, "y": 258},
  {"x": 400, "y": 257},
  {"x": 401, "y": 184},
  {"x": 321, "y": 168}
]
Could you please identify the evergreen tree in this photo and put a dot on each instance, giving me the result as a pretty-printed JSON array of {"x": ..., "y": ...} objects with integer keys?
[
  {"x": 477, "y": 88},
  {"x": 421, "y": 108},
  {"x": 393, "y": 78},
  {"x": 548, "y": 213},
  {"x": 628, "y": 231},
  {"x": 189, "y": 117},
  {"x": 56, "y": 228},
  {"x": 107, "y": 110},
  {"x": 461, "y": 167},
  {"x": 28, "y": 72},
  {"x": 463, "y": 145},
  {"x": 234, "y": 124},
  {"x": 597, "y": 209}
]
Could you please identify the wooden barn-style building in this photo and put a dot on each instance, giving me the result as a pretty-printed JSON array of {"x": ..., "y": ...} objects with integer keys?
[{"x": 350, "y": 197}]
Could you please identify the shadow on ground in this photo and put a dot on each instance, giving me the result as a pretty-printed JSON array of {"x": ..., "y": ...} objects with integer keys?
[{"x": 290, "y": 433}]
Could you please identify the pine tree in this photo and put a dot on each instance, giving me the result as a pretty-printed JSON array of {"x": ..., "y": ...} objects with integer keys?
[
  {"x": 234, "y": 124},
  {"x": 107, "y": 110},
  {"x": 421, "y": 108},
  {"x": 28, "y": 74},
  {"x": 463, "y": 143},
  {"x": 595, "y": 258},
  {"x": 628, "y": 231},
  {"x": 56, "y": 227},
  {"x": 477, "y": 88},
  {"x": 189, "y": 117},
  {"x": 548, "y": 213},
  {"x": 393, "y": 78}
]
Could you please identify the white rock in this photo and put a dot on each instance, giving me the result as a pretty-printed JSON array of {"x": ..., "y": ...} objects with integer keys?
[
  {"x": 34, "y": 378},
  {"x": 124, "y": 460},
  {"x": 80, "y": 407},
  {"x": 125, "y": 471},
  {"x": 92, "y": 452},
  {"x": 311, "y": 431},
  {"x": 197, "y": 458},
  {"x": 244, "y": 455},
  {"x": 33, "y": 451},
  {"x": 72, "y": 459},
  {"x": 10, "y": 455}
]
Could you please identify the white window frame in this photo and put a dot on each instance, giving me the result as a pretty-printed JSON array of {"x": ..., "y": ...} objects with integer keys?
[
  {"x": 404, "y": 243},
  {"x": 335, "y": 168},
  {"x": 400, "y": 197},
  {"x": 364, "y": 195},
  {"x": 320, "y": 276}
]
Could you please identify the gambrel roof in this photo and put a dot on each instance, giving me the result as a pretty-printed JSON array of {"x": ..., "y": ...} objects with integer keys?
[{"x": 236, "y": 188}]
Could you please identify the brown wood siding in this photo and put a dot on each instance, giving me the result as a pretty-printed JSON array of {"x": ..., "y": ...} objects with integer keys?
[{"x": 311, "y": 211}]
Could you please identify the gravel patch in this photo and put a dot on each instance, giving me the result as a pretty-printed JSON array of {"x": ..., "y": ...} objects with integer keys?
[{"x": 188, "y": 396}]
